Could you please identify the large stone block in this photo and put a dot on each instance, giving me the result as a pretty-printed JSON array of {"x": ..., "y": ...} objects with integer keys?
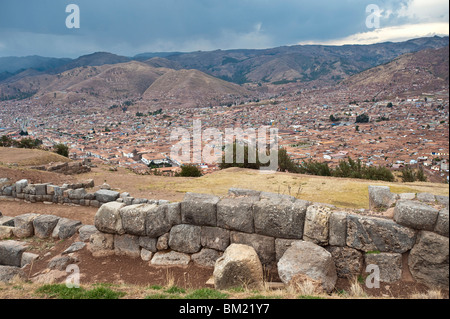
[
  {"x": 442, "y": 225},
  {"x": 389, "y": 264},
  {"x": 215, "y": 238},
  {"x": 236, "y": 214},
  {"x": 415, "y": 215},
  {"x": 160, "y": 219},
  {"x": 185, "y": 239},
  {"x": 148, "y": 243},
  {"x": 9, "y": 274},
  {"x": 348, "y": 261},
  {"x": 101, "y": 244},
  {"x": 127, "y": 245},
  {"x": 429, "y": 260},
  {"x": 281, "y": 245},
  {"x": 44, "y": 225},
  {"x": 23, "y": 225},
  {"x": 106, "y": 196},
  {"x": 11, "y": 253},
  {"x": 77, "y": 194},
  {"x": 311, "y": 260},
  {"x": 206, "y": 257},
  {"x": 377, "y": 234},
  {"x": 338, "y": 229},
  {"x": 134, "y": 217},
  {"x": 380, "y": 197},
  {"x": 238, "y": 267},
  {"x": 317, "y": 224},
  {"x": 108, "y": 220},
  {"x": 284, "y": 219},
  {"x": 199, "y": 209},
  {"x": 66, "y": 228},
  {"x": 170, "y": 258},
  {"x": 263, "y": 245},
  {"x": 20, "y": 185}
]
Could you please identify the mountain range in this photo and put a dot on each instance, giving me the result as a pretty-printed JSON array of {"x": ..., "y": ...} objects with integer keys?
[{"x": 204, "y": 78}]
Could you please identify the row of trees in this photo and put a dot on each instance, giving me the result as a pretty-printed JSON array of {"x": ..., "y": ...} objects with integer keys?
[{"x": 347, "y": 168}]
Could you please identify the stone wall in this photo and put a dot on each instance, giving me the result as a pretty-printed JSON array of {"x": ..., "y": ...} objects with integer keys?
[{"x": 201, "y": 227}]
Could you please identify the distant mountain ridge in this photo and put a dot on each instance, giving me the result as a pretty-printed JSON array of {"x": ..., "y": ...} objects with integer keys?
[{"x": 288, "y": 63}]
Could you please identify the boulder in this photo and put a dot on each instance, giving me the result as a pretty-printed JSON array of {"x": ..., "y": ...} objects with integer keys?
[
  {"x": 415, "y": 215},
  {"x": 429, "y": 260},
  {"x": 108, "y": 219},
  {"x": 20, "y": 185},
  {"x": 28, "y": 258},
  {"x": 348, "y": 261},
  {"x": 105, "y": 196},
  {"x": 378, "y": 234},
  {"x": 338, "y": 229},
  {"x": 442, "y": 200},
  {"x": 148, "y": 243},
  {"x": 185, "y": 239},
  {"x": 426, "y": 197},
  {"x": 86, "y": 231},
  {"x": 280, "y": 218},
  {"x": 23, "y": 225},
  {"x": 263, "y": 245},
  {"x": 389, "y": 264},
  {"x": 206, "y": 257},
  {"x": 215, "y": 238},
  {"x": 44, "y": 225},
  {"x": 61, "y": 262},
  {"x": 407, "y": 196},
  {"x": 6, "y": 232},
  {"x": 66, "y": 228},
  {"x": 311, "y": 260},
  {"x": 146, "y": 255},
  {"x": 127, "y": 245},
  {"x": 101, "y": 244},
  {"x": 442, "y": 223},
  {"x": 6, "y": 221},
  {"x": 317, "y": 224},
  {"x": 160, "y": 219},
  {"x": 76, "y": 246},
  {"x": 238, "y": 267},
  {"x": 381, "y": 198},
  {"x": 163, "y": 242},
  {"x": 133, "y": 218},
  {"x": 77, "y": 193},
  {"x": 11, "y": 253},
  {"x": 236, "y": 214},
  {"x": 170, "y": 258},
  {"x": 9, "y": 274},
  {"x": 199, "y": 209},
  {"x": 281, "y": 245}
]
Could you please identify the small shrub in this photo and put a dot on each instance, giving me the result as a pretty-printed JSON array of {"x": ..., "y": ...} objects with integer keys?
[{"x": 206, "y": 293}]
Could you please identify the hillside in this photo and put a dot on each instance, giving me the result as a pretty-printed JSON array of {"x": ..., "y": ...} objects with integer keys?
[
  {"x": 126, "y": 80},
  {"x": 419, "y": 72},
  {"x": 192, "y": 88}
]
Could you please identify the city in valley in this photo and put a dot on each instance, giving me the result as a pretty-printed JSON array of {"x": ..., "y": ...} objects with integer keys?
[{"x": 123, "y": 112}]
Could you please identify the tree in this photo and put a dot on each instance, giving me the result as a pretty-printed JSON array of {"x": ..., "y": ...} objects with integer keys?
[
  {"x": 363, "y": 118},
  {"x": 190, "y": 171},
  {"x": 61, "y": 149},
  {"x": 389, "y": 105},
  {"x": 285, "y": 163}
]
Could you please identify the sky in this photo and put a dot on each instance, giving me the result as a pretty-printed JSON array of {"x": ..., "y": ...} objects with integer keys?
[{"x": 130, "y": 27}]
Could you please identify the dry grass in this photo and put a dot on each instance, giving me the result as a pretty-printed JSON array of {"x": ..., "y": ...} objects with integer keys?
[
  {"x": 341, "y": 192},
  {"x": 27, "y": 157}
]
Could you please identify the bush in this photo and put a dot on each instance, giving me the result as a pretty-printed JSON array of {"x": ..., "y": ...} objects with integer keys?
[
  {"x": 190, "y": 171},
  {"x": 61, "y": 149},
  {"x": 410, "y": 176},
  {"x": 363, "y": 118}
]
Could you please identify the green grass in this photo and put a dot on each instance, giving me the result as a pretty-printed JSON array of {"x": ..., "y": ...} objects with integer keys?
[
  {"x": 60, "y": 291},
  {"x": 206, "y": 293},
  {"x": 309, "y": 297},
  {"x": 263, "y": 297},
  {"x": 162, "y": 296},
  {"x": 175, "y": 290}
]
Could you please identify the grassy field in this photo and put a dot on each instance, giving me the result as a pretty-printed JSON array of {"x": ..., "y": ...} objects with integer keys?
[
  {"x": 345, "y": 193},
  {"x": 28, "y": 157}
]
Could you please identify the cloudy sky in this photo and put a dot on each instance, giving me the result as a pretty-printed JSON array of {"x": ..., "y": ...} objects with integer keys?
[{"x": 129, "y": 27}]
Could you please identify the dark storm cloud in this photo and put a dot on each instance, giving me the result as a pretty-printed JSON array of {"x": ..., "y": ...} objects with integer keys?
[{"x": 135, "y": 26}]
